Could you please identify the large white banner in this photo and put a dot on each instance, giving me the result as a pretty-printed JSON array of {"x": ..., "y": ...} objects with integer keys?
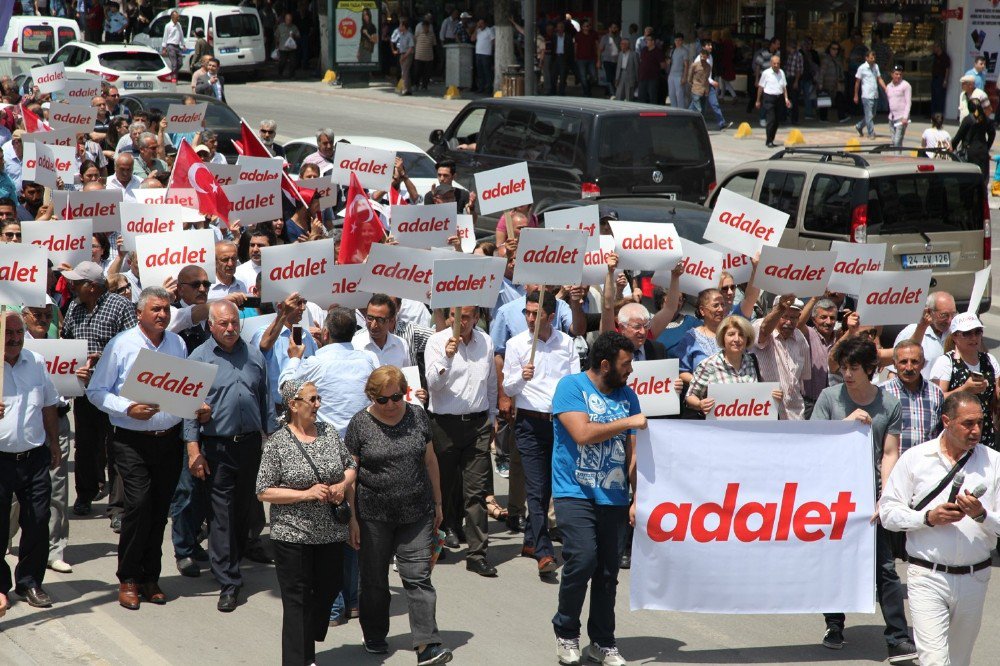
[
  {"x": 702, "y": 269},
  {"x": 67, "y": 241},
  {"x": 81, "y": 91},
  {"x": 595, "y": 260},
  {"x": 745, "y": 402},
  {"x": 99, "y": 205},
  {"x": 259, "y": 169},
  {"x": 254, "y": 202},
  {"x": 177, "y": 385},
  {"x": 424, "y": 226},
  {"x": 73, "y": 116},
  {"x": 799, "y": 272},
  {"x": 646, "y": 246},
  {"x": 744, "y": 523},
  {"x": 504, "y": 188},
  {"x": 62, "y": 359},
  {"x": 140, "y": 218},
  {"x": 49, "y": 78},
  {"x": 582, "y": 218},
  {"x": 853, "y": 261},
  {"x": 186, "y": 117},
  {"x": 185, "y": 197}
]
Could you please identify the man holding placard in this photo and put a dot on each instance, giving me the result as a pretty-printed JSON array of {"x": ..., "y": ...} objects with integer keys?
[
  {"x": 147, "y": 448},
  {"x": 783, "y": 353},
  {"x": 530, "y": 374}
]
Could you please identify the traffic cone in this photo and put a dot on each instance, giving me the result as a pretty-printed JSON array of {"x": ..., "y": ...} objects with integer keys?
[
  {"x": 853, "y": 145},
  {"x": 795, "y": 138},
  {"x": 399, "y": 86},
  {"x": 498, "y": 93},
  {"x": 452, "y": 93},
  {"x": 743, "y": 131},
  {"x": 330, "y": 77}
]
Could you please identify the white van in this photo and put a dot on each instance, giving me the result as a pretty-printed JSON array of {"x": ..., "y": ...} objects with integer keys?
[
  {"x": 239, "y": 36},
  {"x": 39, "y": 34}
]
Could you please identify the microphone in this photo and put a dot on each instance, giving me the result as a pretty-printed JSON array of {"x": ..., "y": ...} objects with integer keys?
[
  {"x": 979, "y": 490},
  {"x": 956, "y": 485}
]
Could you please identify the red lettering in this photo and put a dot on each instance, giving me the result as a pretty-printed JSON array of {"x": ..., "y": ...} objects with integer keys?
[
  {"x": 547, "y": 255},
  {"x": 371, "y": 166},
  {"x": 652, "y": 386},
  {"x": 253, "y": 203},
  {"x": 62, "y": 243},
  {"x": 153, "y": 226},
  {"x": 699, "y": 270},
  {"x": 60, "y": 366},
  {"x": 412, "y": 273},
  {"x": 18, "y": 272},
  {"x": 292, "y": 270},
  {"x": 753, "y": 228},
  {"x": 644, "y": 243},
  {"x": 167, "y": 382},
  {"x": 856, "y": 267},
  {"x": 420, "y": 225},
  {"x": 182, "y": 257},
  {"x": 895, "y": 297},
  {"x": 503, "y": 189},
  {"x": 805, "y": 274}
]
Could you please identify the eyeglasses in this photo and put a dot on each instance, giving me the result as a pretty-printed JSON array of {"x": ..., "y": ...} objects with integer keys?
[
  {"x": 110, "y": 95},
  {"x": 122, "y": 289},
  {"x": 638, "y": 326},
  {"x": 314, "y": 400},
  {"x": 383, "y": 399},
  {"x": 731, "y": 287},
  {"x": 372, "y": 319},
  {"x": 266, "y": 131},
  {"x": 203, "y": 284},
  {"x": 10, "y": 235},
  {"x": 974, "y": 333}
]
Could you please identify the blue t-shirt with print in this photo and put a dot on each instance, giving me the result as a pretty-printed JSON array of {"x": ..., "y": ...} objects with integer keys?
[{"x": 597, "y": 471}]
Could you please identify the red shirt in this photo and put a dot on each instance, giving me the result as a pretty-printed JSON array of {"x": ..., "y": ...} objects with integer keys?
[{"x": 586, "y": 45}]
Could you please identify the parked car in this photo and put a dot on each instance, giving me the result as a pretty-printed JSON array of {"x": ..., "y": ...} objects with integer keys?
[
  {"x": 238, "y": 38},
  {"x": 219, "y": 117},
  {"x": 131, "y": 68},
  {"x": 931, "y": 213},
  {"x": 39, "y": 34},
  {"x": 418, "y": 164},
  {"x": 18, "y": 65},
  {"x": 579, "y": 147}
]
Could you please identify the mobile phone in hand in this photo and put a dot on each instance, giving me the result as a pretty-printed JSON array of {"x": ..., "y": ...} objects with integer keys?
[{"x": 297, "y": 334}]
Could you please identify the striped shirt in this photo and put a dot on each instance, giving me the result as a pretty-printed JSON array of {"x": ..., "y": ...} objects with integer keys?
[
  {"x": 786, "y": 362},
  {"x": 716, "y": 370},
  {"x": 921, "y": 411}
]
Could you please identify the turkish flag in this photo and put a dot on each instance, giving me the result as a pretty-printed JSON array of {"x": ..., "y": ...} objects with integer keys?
[
  {"x": 191, "y": 173},
  {"x": 362, "y": 226},
  {"x": 251, "y": 146},
  {"x": 33, "y": 123}
]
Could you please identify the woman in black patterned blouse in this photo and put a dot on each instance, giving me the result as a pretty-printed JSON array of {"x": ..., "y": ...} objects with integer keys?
[{"x": 304, "y": 471}]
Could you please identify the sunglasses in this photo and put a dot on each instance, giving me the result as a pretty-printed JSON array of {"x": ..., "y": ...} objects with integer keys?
[
  {"x": 314, "y": 400},
  {"x": 974, "y": 333},
  {"x": 383, "y": 399},
  {"x": 123, "y": 289},
  {"x": 372, "y": 319},
  {"x": 12, "y": 234},
  {"x": 266, "y": 131},
  {"x": 731, "y": 287},
  {"x": 204, "y": 284}
]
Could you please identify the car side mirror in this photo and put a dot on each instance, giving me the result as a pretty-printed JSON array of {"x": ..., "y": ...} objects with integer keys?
[{"x": 437, "y": 136}]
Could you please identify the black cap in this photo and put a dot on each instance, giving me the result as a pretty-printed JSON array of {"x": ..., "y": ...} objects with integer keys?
[
  {"x": 610, "y": 215},
  {"x": 897, "y": 68}
]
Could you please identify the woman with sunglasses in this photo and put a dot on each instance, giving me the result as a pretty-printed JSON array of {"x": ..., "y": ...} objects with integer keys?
[
  {"x": 305, "y": 471},
  {"x": 398, "y": 510},
  {"x": 11, "y": 232},
  {"x": 964, "y": 367}
]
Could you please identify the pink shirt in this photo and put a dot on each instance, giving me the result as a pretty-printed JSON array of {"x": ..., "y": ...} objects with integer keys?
[{"x": 899, "y": 100}]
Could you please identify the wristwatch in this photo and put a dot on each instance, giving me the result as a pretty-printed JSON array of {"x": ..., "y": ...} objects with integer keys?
[
  {"x": 927, "y": 518},
  {"x": 981, "y": 517}
]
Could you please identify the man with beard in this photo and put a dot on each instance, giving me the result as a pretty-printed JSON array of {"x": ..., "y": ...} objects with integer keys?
[
  {"x": 248, "y": 271},
  {"x": 919, "y": 399},
  {"x": 821, "y": 338},
  {"x": 593, "y": 466},
  {"x": 268, "y": 130}
]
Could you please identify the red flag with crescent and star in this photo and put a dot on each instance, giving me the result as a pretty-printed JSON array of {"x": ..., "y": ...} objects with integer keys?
[
  {"x": 362, "y": 226},
  {"x": 251, "y": 146},
  {"x": 191, "y": 173}
]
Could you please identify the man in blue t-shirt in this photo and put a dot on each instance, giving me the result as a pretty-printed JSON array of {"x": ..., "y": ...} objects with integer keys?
[{"x": 593, "y": 466}]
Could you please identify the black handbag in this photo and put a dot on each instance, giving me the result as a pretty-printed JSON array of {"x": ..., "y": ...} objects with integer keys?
[{"x": 341, "y": 511}]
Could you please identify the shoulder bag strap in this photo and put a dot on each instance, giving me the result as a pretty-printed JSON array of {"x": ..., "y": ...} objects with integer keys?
[
  {"x": 305, "y": 455},
  {"x": 944, "y": 482}
]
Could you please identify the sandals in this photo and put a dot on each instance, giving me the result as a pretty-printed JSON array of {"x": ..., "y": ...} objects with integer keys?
[{"x": 495, "y": 511}]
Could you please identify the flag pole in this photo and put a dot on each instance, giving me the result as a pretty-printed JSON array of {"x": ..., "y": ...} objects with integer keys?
[
  {"x": 538, "y": 324},
  {"x": 3, "y": 336}
]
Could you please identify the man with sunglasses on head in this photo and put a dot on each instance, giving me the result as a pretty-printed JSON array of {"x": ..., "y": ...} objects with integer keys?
[
  {"x": 378, "y": 338},
  {"x": 95, "y": 315}
]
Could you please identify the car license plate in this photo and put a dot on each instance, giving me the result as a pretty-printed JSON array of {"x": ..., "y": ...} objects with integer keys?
[
  {"x": 229, "y": 50},
  {"x": 670, "y": 195},
  {"x": 928, "y": 260},
  {"x": 138, "y": 85}
]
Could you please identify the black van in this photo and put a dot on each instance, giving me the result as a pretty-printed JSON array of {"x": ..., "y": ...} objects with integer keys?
[{"x": 577, "y": 147}]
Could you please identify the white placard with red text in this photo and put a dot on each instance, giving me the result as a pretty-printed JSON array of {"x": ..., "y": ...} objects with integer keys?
[
  {"x": 424, "y": 226},
  {"x": 80, "y": 92},
  {"x": 743, "y": 224},
  {"x": 890, "y": 298},
  {"x": 979, "y": 287},
  {"x": 186, "y": 117},
  {"x": 504, "y": 188},
  {"x": 646, "y": 246},
  {"x": 702, "y": 269},
  {"x": 62, "y": 359},
  {"x": 595, "y": 260},
  {"x": 467, "y": 281},
  {"x": 745, "y": 402},
  {"x": 66, "y": 241},
  {"x": 259, "y": 169},
  {"x": 297, "y": 267},
  {"x": 372, "y": 166},
  {"x": 401, "y": 271},
  {"x": 550, "y": 256},
  {"x": 185, "y": 197},
  {"x": 583, "y": 218},
  {"x": 101, "y": 206},
  {"x": 853, "y": 261},
  {"x": 345, "y": 279},
  {"x": 466, "y": 233},
  {"x": 72, "y": 116},
  {"x": 742, "y": 523},
  {"x": 800, "y": 272},
  {"x": 43, "y": 164},
  {"x": 653, "y": 382},
  {"x": 737, "y": 264},
  {"x": 58, "y": 137},
  {"x": 250, "y": 325},
  {"x": 164, "y": 255},
  {"x": 178, "y": 386},
  {"x": 254, "y": 202},
  {"x": 49, "y": 78},
  {"x": 24, "y": 274},
  {"x": 412, "y": 375},
  {"x": 323, "y": 187},
  {"x": 225, "y": 174},
  {"x": 138, "y": 219}
]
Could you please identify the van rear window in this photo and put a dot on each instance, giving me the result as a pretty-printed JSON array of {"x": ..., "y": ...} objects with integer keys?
[
  {"x": 925, "y": 202},
  {"x": 237, "y": 25},
  {"x": 33, "y": 36},
  {"x": 652, "y": 141},
  {"x": 131, "y": 61},
  {"x": 66, "y": 35}
]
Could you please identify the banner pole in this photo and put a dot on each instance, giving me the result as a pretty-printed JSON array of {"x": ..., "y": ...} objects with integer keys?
[
  {"x": 538, "y": 324},
  {"x": 3, "y": 336}
]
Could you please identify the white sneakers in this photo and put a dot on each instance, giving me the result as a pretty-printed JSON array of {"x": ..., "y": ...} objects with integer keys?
[
  {"x": 60, "y": 566},
  {"x": 568, "y": 653}
]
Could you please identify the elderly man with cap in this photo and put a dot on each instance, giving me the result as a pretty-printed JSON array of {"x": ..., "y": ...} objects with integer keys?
[
  {"x": 95, "y": 315},
  {"x": 783, "y": 353},
  {"x": 970, "y": 92},
  {"x": 29, "y": 446}
]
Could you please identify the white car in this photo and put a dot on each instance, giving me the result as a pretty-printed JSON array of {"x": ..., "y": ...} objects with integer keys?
[
  {"x": 128, "y": 67},
  {"x": 418, "y": 164}
]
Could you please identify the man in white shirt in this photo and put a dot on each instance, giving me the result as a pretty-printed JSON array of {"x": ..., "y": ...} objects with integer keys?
[
  {"x": 532, "y": 385},
  {"x": 941, "y": 310},
  {"x": 247, "y": 272},
  {"x": 484, "y": 38},
  {"x": 969, "y": 92},
  {"x": 783, "y": 353},
  {"x": 173, "y": 43},
  {"x": 772, "y": 89},
  {"x": 462, "y": 385},
  {"x": 226, "y": 283},
  {"x": 948, "y": 542},
  {"x": 124, "y": 179},
  {"x": 867, "y": 81},
  {"x": 380, "y": 320}
]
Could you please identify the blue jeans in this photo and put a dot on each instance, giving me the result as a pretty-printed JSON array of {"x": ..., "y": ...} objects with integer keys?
[
  {"x": 188, "y": 510},
  {"x": 713, "y": 101},
  {"x": 484, "y": 73},
  {"x": 534, "y": 442},
  {"x": 807, "y": 89},
  {"x": 591, "y": 534},
  {"x": 868, "y": 105},
  {"x": 609, "y": 75},
  {"x": 585, "y": 71},
  {"x": 348, "y": 597},
  {"x": 898, "y": 130}
]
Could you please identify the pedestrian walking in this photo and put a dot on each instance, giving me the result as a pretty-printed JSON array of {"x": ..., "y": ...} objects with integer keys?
[
  {"x": 173, "y": 43},
  {"x": 772, "y": 90},
  {"x": 626, "y": 72},
  {"x": 677, "y": 73},
  {"x": 975, "y": 136},
  {"x": 900, "y": 95},
  {"x": 867, "y": 82}
]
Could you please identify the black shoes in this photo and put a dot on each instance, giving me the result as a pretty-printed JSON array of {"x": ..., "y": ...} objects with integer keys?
[
  {"x": 81, "y": 508},
  {"x": 35, "y": 596},
  {"x": 833, "y": 638},
  {"x": 481, "y": 567},
  {"x": 376, "y": 646},
  {"x": 227, "y": 602},
  {"x": 116, "y": 523},
  {"x": 188, "y": 567},
  {"x": 451, "y": 539},
  {"x": 515, "y": 523},
  {"x": 771, "y": 145},
  {"x": 625, "y": 561},
  {"x": 902, "y": 651},
  {"x": 433, "y": 654}
]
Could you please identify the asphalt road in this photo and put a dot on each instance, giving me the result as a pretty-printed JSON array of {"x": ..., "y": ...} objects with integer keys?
[{"x": 488, "y": 622}]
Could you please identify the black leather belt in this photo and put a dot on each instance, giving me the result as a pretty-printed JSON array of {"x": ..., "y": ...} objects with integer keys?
[
  {"x": 20, "y": 455},
  {"x": 234, "y": 438},
  {"x": 124, "y": 434},
  {"x": 944, "y": 568},
  {"x": 532, "y": 414},
  {"x": 461, "y": 417}
]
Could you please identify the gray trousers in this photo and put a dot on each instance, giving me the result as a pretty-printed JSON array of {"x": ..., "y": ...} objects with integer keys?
[
  {"x": 59, "y": 503},
  {"x": 463, "y": 453},
  {"x": 411, "y": 543}
]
